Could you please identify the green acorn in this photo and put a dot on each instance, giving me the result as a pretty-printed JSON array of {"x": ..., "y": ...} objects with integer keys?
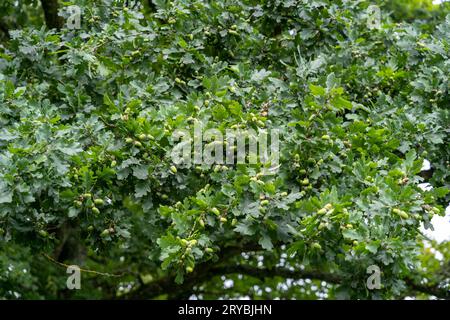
[
  {"x": 95, "y": 210},
  {"x": 99, "y": 202},
  {"x": 189, "y": 269},
  {"x": 305, "y": 181},
  {"x": 264, "y": 202},
  {"x": 436, "y": 210},
  {"x": 104, "y": 233},
  {"x": 316, "y": 245},
  {"x": 223, "y": 219},
  {"x": 215, "y": 211},
  {"x": 129, "y": 140},
  {"x": 400, "y": 213},
  {"x": 323, "y": 225},
  {"x": 173, "y": 169},
  {"x": 404, "y": 215},
  {"x": 43, "y": 233}
]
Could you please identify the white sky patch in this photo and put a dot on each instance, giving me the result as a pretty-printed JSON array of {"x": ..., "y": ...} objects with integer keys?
[
  {"x": 425, "y": 186},
  {"x": 228, "y": 284},
  {"x": 426, "y": 165},
  {"x": 441, "y": 227},
  {"x": 440, "y": 224},
  {"x": 437, "y": 254}
]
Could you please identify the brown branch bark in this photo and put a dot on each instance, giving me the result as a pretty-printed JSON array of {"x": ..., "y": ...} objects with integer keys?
[
  {"x": 327, "y": 277},
  {"x": 201, "y": 273},
  {"x": 433, "y": 290},
  {"x": 262, "y": 273},
  {"x": 207, "y": 271},
  {"x": 167, "y": 285}
]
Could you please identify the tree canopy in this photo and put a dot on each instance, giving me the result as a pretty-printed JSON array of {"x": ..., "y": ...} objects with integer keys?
[{"x": 87, "y": 118}]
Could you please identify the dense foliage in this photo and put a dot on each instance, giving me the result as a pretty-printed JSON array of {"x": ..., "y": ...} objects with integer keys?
[{"x": 86, "y": 123}]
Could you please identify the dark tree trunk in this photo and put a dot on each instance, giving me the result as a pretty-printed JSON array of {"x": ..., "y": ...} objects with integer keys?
[
  {"x": 52, "y": 20},
  {"x": 4, "y": 29},
  {"x": 152, "y": 6}
]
